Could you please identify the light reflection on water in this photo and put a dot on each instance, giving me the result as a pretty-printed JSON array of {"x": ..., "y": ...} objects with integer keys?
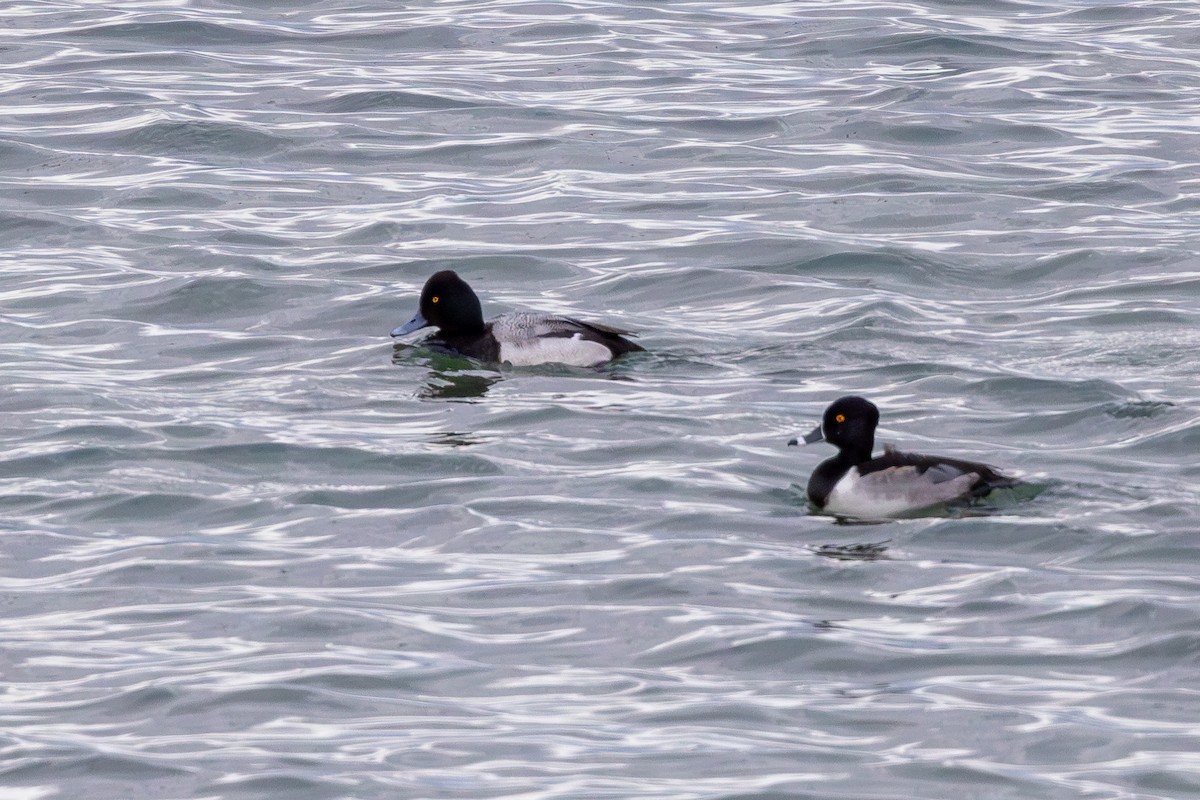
[{"x": 251, "y": 545}]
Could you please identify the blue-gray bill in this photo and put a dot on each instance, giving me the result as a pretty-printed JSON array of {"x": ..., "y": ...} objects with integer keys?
[
  {"x": 415, "y": 324},
  {"x": 814, "y": 435}
]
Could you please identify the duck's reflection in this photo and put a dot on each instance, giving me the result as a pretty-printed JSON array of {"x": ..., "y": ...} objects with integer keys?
[
  {"x": 465, "y": 386},
  {"x": 456, "y": 377},
  {"x": 456, "y": 439},
  {"x": 863, "y": 551},
  {"x": 451, "y": 377}
]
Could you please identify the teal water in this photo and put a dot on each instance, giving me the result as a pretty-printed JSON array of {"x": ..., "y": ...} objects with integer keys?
[{"x": 250, "y": 548}]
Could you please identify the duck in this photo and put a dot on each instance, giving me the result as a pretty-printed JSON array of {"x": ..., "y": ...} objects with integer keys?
[
  {"x": 521, "y": 338},
  {"x": 856, "y": 484}
]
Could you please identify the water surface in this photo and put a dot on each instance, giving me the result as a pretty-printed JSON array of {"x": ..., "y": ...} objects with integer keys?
[{"x": 249, "y": 547}]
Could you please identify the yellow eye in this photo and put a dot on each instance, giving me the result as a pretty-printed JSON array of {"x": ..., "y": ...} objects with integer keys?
[
  {"x": 433, "y": 299},
  {"x": 840, "y": 417}
]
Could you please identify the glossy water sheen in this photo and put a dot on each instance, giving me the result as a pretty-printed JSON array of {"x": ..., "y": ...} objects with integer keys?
[{"x": 249, "y": 550}]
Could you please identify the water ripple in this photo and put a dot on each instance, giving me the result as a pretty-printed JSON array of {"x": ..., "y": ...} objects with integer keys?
[{"x": 251, "y": 547}]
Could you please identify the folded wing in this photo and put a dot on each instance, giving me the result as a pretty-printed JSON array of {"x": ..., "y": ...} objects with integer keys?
[
  {"x": 528, "y": 338},
  {"x": 522, "y": 325}
]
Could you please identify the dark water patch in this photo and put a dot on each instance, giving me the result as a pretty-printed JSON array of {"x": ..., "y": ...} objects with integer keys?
[
  {"x": 167, "y": 573},
  {"x": 464, "y": 386},
  {"x": 19, "y": 157},
  {"x": 1095, "y": 615},
  {"x": 278, "y": 782},
  {"x": 1135, "y": 95},
  {"x": 170, "y": 199},
  {"x": 876, "y": 183},
  {"x": 864, "y": 551},
  {"x": 99, "y": 434},
  {"x": 1116, "y": 192},
  {"x": 641, "y": 209},
  {"x": 1040, "y": 392},
  {"x": 1172, "y": 783},
  {"x": 375, "y": 234},
  {"x": 1065, "y": 264},
  {"x": 929, "y": 45},
  {"x": 93, "y": 767},
  {"x": 1117, "y": 13},
  {"x": 391, "y": 100},
  {"x": 398, "y": 680},
  {"x": 560, "y": 33},
  {"x": 485, "y": 151},
  {"x": 955, "y": 135},
  {"x": 398, "y": 497},
  {"x": 47, "y": 193},
  {"x": 18, "y": 501},
  {"x": 1038, "y": 421},
  {"x": 797, "y": 646},
  {"x": 142, "y": 701},
  {"x": 73, "y": 459},
  {"x": 410, "y": 38},
  {"x": 147, "y": 506},
  {"x": 445, "y": 366},
  {"x": 224, "y": 353},
  {"x": 102, "y": 77},
  {"x": 1149, "y": 318},
  {"x": 907, "y": 221},
  {"x": 196, "y": 138},
  {"x": 181, "y": 34},
  {"x": 1168, "y": 446},
  {"x": 914, "y": 133},
  {"x": 253, "y": 706},
  {"x": 31, "y": 228},
  {"x": 282, "y": 459},
  {"x": 487, "y": 273},
  {"x": 209, "y": 376},
  {"x": 720, "y": 127},
  {"x": 886, "y": 266},
  {"x": 1026, "y": 133},
  {"x": 995, "y": 780},
  {"x": 1138, "y": 409},
  {"x": 254, "y": 239},
  {"x": 206, "y": 299}
]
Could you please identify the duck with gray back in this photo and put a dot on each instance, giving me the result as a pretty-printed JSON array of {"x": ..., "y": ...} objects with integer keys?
[
  {"x": 522, "y": 338},
  {"x": 855, "y": 484}
]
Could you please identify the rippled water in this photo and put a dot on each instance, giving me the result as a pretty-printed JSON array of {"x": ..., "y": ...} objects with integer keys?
[{"x": 250, "y": 549}]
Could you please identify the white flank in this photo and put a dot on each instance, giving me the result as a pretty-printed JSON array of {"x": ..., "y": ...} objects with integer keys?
[
  {"x": 894, "y": 491},
  {"x": 574, "y": 350}
]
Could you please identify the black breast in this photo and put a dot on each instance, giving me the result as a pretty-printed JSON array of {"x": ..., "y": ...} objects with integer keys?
[{"x": 480, "y": 346}]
